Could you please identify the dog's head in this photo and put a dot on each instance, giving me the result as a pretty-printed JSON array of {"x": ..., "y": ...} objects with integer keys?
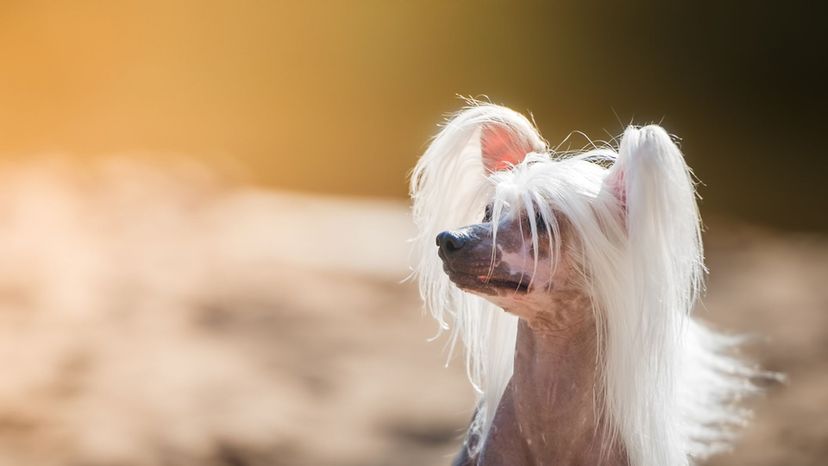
[{"x": 522, "y": 253}]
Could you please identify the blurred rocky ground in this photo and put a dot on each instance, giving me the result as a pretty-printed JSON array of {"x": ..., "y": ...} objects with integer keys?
[{"x": 162, "y": 316}]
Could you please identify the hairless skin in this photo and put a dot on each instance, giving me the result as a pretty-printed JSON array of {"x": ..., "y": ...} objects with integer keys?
[{"x": 549, "y": 412}]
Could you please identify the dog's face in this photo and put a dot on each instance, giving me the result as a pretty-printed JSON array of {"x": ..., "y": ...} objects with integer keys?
[
  {"x": 519, "y": 256},
  {"x": 509, "y": 269}
]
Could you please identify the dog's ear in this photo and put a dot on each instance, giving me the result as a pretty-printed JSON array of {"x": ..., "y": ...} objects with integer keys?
[
  {"x": 655, "y": 190},
  {"x": 502, "y": 147},
  {"x": 648, "y": 161}
]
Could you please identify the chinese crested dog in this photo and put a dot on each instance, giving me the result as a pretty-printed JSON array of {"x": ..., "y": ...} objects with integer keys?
[{"x": 570, "y": 283}]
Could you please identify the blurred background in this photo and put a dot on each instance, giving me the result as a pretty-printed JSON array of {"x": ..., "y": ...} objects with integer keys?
[{"x": 203, "y": 212}]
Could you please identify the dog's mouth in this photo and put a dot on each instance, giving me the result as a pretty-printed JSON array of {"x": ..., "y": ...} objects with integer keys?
[{"x": 483, "y": 282}]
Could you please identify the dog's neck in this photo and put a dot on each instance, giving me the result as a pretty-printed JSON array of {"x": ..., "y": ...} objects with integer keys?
[{"x": 550, "y": 411}]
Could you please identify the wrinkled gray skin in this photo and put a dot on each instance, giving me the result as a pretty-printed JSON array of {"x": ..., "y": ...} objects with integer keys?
[{"x": 548, "y": 413}]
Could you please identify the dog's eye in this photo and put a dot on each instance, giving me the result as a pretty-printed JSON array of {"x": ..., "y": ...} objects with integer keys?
[
  {"x": 540, "y": 224},
  {"x": 487, "y": 216}
]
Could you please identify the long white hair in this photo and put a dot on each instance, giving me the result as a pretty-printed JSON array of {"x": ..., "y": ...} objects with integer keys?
[{"x": 667, "y": 382}]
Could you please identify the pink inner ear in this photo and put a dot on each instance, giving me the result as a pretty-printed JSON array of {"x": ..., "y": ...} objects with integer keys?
[
  {"x": 501, "y": 148},
  {"x": 616, "y": 184}
]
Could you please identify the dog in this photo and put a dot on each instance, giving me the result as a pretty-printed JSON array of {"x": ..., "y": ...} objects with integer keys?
[{"x": 570, "y": 281}]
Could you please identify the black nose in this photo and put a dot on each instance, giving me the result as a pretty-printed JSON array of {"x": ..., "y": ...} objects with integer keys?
[{"x": 450, "y": 242}]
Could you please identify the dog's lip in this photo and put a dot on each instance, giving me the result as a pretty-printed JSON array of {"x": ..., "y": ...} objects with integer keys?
[{"x": 484, "y": 280}]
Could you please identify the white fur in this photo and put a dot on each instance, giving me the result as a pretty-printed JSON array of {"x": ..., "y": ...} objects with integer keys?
[{"x": 667, "y": 381}]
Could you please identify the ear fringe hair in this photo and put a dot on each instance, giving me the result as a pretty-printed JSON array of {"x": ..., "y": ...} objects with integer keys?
[
  {"x": 449, "y": 188},
  {"x": 669, "y": 385}
]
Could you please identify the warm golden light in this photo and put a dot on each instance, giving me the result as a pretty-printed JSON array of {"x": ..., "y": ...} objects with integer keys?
[{"x": 203, "y": 213}]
